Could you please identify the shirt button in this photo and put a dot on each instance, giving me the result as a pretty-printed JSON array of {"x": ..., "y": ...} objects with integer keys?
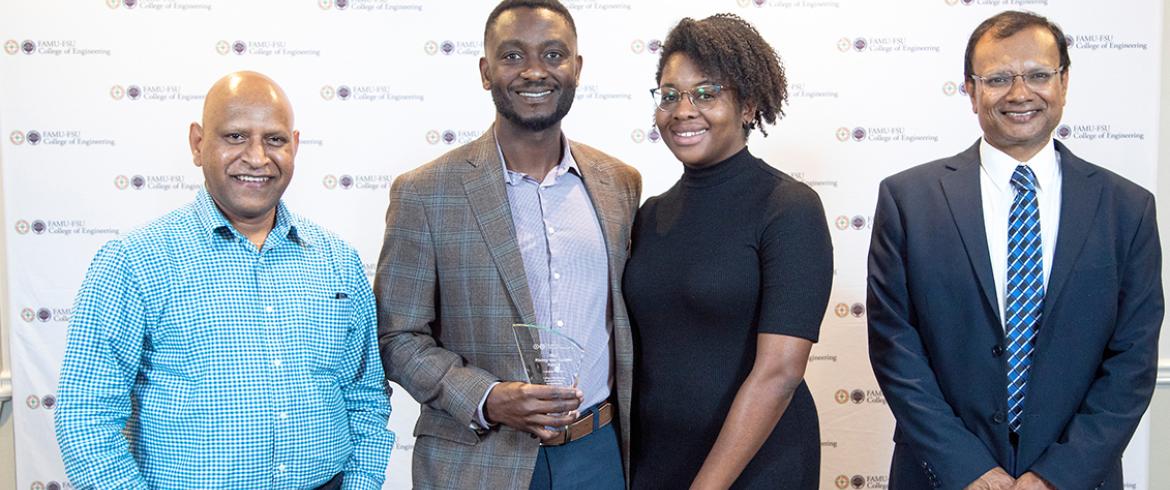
[
  {"x": 998, "y": 417},
  {"x": 283, "y": 415},
  {"x": 269, "y": 309},
  {"x": 277, "y": 362},
  {"x": 560, "y": 323},
  {"x": 280, "y": 467},
  {"x": 556, "y": 275},
  {"x": 997, "y": 351},
  {"x": 551, "y": 230}
]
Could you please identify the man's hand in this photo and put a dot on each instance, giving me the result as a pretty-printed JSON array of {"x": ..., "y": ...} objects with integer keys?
[
  {"x": 531, "y": 408},
  {"x": 1032, "y": 481},
  {"x": 995, "y": 479}
]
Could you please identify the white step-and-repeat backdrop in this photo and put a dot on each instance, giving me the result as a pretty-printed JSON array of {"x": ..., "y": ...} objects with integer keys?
[{"x": 96, "y": 97}]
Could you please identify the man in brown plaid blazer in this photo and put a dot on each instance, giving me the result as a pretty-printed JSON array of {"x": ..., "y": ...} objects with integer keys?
[{"x": 476, "y": 241}]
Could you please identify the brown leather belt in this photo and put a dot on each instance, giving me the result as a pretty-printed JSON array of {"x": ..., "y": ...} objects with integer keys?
[{"x": 583, "y": 426}]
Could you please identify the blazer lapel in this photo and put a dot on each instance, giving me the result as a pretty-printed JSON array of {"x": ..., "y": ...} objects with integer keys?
[
  {"x": 1079, "y": 195},
  {"x": 484, "y": 185},
  {"x": 599, "y": 185},
  {"x": 962, "y": 190}
]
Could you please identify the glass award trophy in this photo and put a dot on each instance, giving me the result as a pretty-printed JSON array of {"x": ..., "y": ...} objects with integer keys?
[{"x": 550, "y": 357}]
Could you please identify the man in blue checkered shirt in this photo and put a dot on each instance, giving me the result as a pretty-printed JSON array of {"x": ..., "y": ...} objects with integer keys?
[{"x": 230, "y": 343}]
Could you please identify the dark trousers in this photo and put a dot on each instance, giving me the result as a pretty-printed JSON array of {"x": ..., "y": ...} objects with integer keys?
[
  {"x": 333, "y": 484},
  {"x": 593, "y": 462}
]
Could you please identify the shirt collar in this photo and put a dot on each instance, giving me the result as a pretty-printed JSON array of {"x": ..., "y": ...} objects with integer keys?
[
  {"x": 566, "y": 164},
  {"x": 1000, "y": 166},
  {"x": 213, "y": 221}
]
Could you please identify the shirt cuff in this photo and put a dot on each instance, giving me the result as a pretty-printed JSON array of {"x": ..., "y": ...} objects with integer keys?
[{"x": 479, "y": 418}]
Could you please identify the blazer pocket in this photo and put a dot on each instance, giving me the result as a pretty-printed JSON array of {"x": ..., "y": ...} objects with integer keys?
[
  {"x": 437, "y": 423},
  {"x": 1099, "y": 275},
  {"x": 1084, "y": 265}
]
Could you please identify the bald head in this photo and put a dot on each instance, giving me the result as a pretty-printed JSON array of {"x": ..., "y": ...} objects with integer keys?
[
  {"x": 246, "y": 146},
  {"x": 247, "y": 87}
]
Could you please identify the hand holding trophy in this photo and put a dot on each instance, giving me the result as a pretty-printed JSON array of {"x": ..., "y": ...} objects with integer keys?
[
  {"x": 554, "y": 358},
  {"x": 550, "y": 358},
  {"x": 548, "y": 400}
]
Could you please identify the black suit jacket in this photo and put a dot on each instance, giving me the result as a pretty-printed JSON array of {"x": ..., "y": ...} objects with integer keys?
[{"x": 937, "y": 345}]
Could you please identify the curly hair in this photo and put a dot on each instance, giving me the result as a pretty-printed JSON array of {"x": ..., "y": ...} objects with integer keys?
[{"x": 728, "y": 49}]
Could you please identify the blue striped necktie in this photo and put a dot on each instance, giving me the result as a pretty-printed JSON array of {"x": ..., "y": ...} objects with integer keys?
[{"x": 1025, "y": 289}]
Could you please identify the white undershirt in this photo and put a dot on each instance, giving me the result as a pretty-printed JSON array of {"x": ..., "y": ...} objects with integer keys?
[{"x": 995, "y": 183}]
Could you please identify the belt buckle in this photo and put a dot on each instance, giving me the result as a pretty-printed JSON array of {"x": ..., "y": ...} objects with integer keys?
[
  {"x": 561, "y": 439},
  {"x": 585, "y": 422}
]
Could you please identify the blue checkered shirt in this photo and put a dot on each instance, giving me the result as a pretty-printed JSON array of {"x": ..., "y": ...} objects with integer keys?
[{"x": 195, "y": 360}]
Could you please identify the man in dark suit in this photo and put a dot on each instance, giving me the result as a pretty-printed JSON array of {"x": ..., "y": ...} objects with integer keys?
[
  {"x": 519, "y": 226},
  {"x": 1015, "y": 290}
]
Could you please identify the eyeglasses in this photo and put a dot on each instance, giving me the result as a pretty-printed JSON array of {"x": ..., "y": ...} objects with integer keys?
[
  {"x": 1037, "y": 80},
  {"x": 702, "y": 97}
]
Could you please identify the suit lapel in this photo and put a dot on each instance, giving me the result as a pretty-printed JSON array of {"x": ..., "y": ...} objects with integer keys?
[
  {"x": 962, "y": 190},
  {"x": 1079, "y": 195},
  {"x": 599, "y": 185},
  {"x": 488, "y": 198}
]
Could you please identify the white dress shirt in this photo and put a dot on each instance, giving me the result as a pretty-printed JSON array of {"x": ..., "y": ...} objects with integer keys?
[{"x": 995, "y": 183}]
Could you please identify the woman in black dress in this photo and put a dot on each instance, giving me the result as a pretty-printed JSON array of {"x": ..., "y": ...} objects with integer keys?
[{"x": 727, "y": 281}]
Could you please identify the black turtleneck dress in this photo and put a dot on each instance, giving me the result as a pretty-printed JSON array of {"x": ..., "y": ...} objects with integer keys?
[{"x": 733, "y": 250}]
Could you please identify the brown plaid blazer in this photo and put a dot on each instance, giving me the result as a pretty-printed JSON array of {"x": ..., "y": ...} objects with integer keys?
[{"x": 450, "y": 283}]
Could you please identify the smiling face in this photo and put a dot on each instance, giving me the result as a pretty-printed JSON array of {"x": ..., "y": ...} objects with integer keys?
[
  {"x": 246, "y": 146},
  {"x": 531, "y": 66},
  {"x": 699, "y": 138},
  {"x": 1018, "y": 120}
]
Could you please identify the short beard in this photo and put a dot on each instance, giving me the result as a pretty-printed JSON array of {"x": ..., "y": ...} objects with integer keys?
[{"x": 505, "y": 108}]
